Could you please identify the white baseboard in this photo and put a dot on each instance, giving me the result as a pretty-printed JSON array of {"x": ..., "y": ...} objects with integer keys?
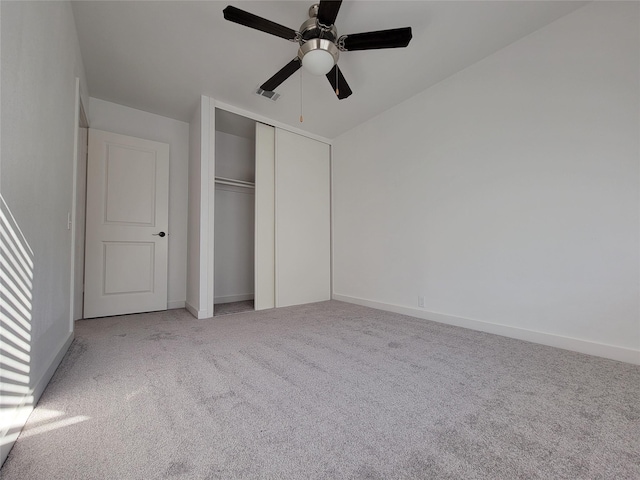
[
  {"x": 10, "y": 432},
  {"x": 612, "y": 352},
  {"x": 199, "y": 314},
  {"x": 175, "y": 305},
  {"x": 234, "y": 298},
  {"x": 55, "y": 362}
]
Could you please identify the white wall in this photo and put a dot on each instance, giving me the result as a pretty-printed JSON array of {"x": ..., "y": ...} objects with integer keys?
[
  {"x": 123, "y": 120},
  {"x": 507, "y": 195},
  {"x": 40, "y": 62},
  {"x": 234, "y": 219},
  {"x": 234, "y": 244},
  {"x": 235, "y": 157}
]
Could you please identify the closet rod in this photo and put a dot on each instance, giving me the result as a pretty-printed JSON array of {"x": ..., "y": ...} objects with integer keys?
[{"x": 235, "y": 183}]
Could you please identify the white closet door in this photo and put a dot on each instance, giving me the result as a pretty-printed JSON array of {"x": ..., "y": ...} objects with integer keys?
[
  {"x": 265, "y": 296},
  {"x": 302, "y": 220}
]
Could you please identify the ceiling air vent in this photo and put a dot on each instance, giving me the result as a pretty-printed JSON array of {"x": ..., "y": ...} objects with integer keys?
[{"x": 268, "y": 94}]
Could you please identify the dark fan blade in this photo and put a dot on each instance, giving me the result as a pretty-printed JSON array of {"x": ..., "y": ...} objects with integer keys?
[
  {"x": 250, "y": 20},
  {"x": 394, "y": 38},
  {"x": 342, "y": 86},
  {"x": 328, "y": 11},
  {"x": 284, "y": 73}
]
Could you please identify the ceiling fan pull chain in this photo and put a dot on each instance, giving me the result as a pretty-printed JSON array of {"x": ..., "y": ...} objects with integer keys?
[
  {"x": 337, "y": 89},
  {"x": 301, "y": 117}
]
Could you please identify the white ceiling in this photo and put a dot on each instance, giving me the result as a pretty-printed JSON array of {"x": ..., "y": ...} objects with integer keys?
[{"x": 161, "y": 56}]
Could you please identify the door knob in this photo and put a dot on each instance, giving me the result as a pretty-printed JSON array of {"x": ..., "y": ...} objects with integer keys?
[{"x": 161, "y": 234}]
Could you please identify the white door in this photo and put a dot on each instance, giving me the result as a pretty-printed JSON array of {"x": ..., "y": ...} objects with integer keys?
[
  {"x": 303, "y": 245},
  {"x": 265, "y": 263},
  {"x": 127, "y": 220}
]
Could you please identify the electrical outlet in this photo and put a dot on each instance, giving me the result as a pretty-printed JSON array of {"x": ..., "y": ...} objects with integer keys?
[{"x": 421, "y": 301}]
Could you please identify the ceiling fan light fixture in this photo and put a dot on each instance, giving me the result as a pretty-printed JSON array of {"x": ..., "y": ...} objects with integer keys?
[{"x": 318, "y": 56}]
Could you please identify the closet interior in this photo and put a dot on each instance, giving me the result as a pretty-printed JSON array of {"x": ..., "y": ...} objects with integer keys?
[{"x": 234, "y": 234}]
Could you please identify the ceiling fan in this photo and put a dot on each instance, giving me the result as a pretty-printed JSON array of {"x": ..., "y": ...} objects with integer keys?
[{"x": 320, "y": 45}]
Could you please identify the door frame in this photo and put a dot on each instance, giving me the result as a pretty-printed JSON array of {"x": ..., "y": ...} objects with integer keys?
[{"x": 80, "y": 121}]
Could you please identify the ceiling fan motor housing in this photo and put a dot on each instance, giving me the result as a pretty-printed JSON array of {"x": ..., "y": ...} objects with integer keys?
[
  {"x": 317, "y": 40},
  {"x": 312, "y": 28}
]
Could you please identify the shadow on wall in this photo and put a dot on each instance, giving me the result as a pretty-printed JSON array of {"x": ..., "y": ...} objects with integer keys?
[
  {"x": 16, "y": 384},
  {"x": 16, "y": 287}
]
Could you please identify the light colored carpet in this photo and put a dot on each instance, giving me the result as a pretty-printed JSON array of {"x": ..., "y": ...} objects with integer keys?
[
  {"x": 327, "y": 390},
  {"x": 232, "y": 307}
]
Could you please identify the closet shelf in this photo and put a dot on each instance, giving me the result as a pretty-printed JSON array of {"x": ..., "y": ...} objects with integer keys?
[{"x": 234, "y": 182}]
